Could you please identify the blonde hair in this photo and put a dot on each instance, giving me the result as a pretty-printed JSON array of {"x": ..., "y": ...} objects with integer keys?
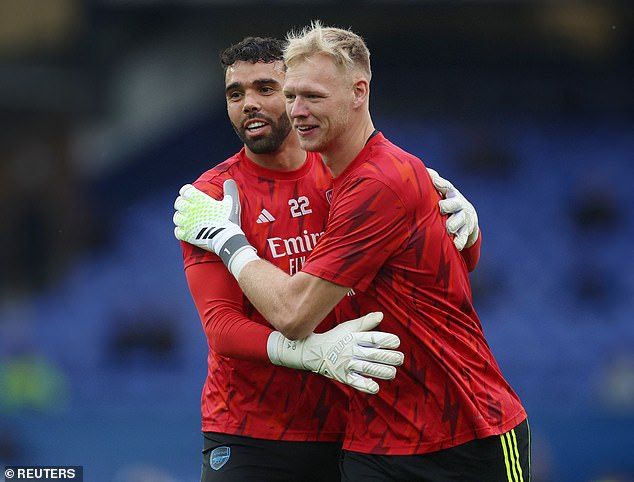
[{"x": 345, "y": 47}]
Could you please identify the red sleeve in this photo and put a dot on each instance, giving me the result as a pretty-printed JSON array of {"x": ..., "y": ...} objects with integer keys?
[
  {"x": 218, "y": 299},
  {"x": 471, "y": 255}
]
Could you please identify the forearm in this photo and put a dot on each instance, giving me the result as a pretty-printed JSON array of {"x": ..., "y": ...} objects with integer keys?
[
  {"x": 235, "y": 336},
  {"x": 219, "y": 302},
  {"x": 294, "y": 305}
]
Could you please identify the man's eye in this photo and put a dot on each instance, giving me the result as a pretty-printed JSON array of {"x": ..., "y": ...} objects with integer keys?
[
  {"x": 234, "y": 95},
  {"x": 267, "y": 90},
  {"x": 289, "y": 97}
]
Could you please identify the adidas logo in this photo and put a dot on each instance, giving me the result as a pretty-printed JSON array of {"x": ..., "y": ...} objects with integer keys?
[{"x": 265, "y": 217}]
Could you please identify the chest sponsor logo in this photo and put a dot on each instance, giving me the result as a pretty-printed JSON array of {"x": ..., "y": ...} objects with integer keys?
[
  {"x": 295, "y": 249},
  {"x": 292, "y": 246}
]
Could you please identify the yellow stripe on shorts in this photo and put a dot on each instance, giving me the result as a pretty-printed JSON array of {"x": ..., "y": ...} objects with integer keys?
[{"x": 511, "y": 457}]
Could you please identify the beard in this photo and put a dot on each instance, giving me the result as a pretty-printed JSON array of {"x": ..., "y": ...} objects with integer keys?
[{"x": 270, "y": 142}]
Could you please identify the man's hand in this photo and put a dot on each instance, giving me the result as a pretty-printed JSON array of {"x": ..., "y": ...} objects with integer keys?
[
  {"x": 213, "y": 225},
  {"x": 463, "y": 219},
  {"x": 348, "y": 353}
]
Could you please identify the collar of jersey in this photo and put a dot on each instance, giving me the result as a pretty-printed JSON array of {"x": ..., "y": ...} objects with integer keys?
[
  {"x": 361, "y": 158},
  {"x": 260, "y": 171}
]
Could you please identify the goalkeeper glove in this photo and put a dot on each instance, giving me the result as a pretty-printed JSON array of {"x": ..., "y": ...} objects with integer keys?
[
  {"x": 348, "y": 353},
  {"x": 463, "y": 219},
  {"x": 214, "y": 225}
]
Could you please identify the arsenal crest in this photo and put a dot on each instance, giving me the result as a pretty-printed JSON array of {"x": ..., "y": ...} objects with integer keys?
[{"x": 219, "y": 456}]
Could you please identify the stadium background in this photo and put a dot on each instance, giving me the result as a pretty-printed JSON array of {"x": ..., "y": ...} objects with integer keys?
[{"x": 108, "y": 106}]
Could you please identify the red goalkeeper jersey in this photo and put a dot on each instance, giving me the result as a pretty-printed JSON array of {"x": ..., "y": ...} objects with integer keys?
[
  {"x": 386, "y": 239},
  {"x": 283, "y": 216}
]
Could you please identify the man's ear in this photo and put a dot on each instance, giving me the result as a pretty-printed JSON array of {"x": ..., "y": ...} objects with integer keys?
[{"x": 361, "y": 91}]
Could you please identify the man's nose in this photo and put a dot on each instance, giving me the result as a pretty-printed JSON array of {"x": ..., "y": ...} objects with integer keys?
[
  {"x": 251, "y": 103},
  {"x": 297, "y": 108}
]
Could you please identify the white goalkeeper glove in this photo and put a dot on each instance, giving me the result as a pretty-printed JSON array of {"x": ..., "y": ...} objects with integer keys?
[
  {"x": 463, "y": 219},
  {"x": 348, "y": 353},
  {"x": 214, "y": 225}
]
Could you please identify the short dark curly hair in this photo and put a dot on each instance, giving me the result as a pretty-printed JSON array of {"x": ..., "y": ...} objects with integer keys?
[{"x": 253, "y": 49}]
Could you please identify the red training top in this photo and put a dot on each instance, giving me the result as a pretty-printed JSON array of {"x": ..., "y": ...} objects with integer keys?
[
  {"x": 283, "y": 215},
  {"x": 386, "y": 240}
]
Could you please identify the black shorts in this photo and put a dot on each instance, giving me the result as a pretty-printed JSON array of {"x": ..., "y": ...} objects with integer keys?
[
  {"x": 231, "y": 458},
  {"x": 501, "y": 458}
]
